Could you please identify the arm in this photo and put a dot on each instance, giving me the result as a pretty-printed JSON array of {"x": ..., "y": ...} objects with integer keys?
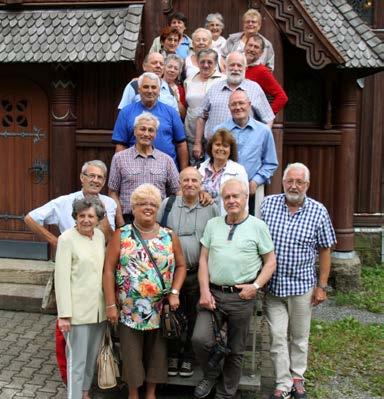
[
  {"x": 41, "y": 231},
  {"x": 106, "y": 228},
  {"x": 119, "y": 213},
  {"x": 120, "y": 147},
  {"x": 206, "y": 299},
  {"x": 272, "y": 88},
  {"x": 182, "y": 154},
  {"x": 320, "y": 295},
  {"x": 198, "y": 148}
]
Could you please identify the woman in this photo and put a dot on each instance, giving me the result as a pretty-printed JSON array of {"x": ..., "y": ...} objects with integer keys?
[
  {"x": 251, "y": 25},
  {"x": 79, "y": 294},
  {"x": 221, "y": 165},
  {"x": 195, "y": 89},
  {"x": 140, "y": 293},
  {"x": 169, "y": 40},
  {"x": 173, "y": 66},
  {"x": 215, "y": 23}
]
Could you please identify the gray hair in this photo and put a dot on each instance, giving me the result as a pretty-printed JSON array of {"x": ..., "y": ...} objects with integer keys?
[
  {"x": 144, "y": 192},
  {"x": 207, "y": 31},
  {"x": 297, "y": 165},
  {"x": 148, "y": 117},
  {"x": 207, "y": 51},
  {"x": 97, "y": 163},
  {"x": 237, "y": 53},
  {"x": 149, "y": 75},
  {"x": 174, "y": 57},
  {"x": 81, "y": 204},
  {"x": 216, "y": 16},
  {"x": 242, "y": 183}
]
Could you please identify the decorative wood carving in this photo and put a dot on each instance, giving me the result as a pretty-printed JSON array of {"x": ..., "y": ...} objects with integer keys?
[{"x": 167, "y": 6}]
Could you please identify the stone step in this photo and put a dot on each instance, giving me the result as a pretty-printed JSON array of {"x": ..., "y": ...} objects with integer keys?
[
  {"x": 24, "y": 297},
  {"x": 24, "y": 271}
]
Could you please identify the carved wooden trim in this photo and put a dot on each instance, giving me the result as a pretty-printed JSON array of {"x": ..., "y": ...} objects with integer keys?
[
  {"x": 303, "y": 32},
  {"x": 167, "y": 6}
]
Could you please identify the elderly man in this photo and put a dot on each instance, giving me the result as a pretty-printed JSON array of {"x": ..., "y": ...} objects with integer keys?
[
  {"x": 141, "y": 164},
  {"x": 170, "y": 137},
  {"x": 214, "y": 109},
  {"x": 187, "y": 217},
  {"x": 236, "y": 260},
  {"x": 152, "y": 63},
  {"x": 301, "y": 229},
  {"x": 255, "y": 146}
]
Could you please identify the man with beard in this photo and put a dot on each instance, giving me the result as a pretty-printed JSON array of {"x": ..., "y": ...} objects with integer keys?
[
  {"x": 301, "y": 229},
  {"x": 214, "y": 109}
]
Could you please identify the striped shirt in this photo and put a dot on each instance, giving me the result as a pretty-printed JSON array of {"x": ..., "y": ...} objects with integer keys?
[{"x": 297, "y": 238}]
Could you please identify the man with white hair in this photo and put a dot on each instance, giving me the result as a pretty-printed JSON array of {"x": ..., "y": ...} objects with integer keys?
[
  {"x": 301, "y": 230},
  {"x": 214, "y": 109},
  {"x": 170, "y": 137}
]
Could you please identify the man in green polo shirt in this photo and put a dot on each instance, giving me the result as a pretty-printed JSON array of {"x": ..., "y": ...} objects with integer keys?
[{"x": 236, "y": 260}]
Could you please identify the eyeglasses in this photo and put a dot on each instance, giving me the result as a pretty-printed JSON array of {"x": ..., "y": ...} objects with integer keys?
[
  {"x": 299, "y": 183},
  {"x": 146, "y": 204},
  {"x": 92, "y": 176}
]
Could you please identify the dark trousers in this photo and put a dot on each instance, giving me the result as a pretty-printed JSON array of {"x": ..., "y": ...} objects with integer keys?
[{"x": 237, "y": 313}]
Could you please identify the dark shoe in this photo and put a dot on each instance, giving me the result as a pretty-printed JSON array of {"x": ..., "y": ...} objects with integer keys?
[
  {"x": 173, "y": 366},
  {"x": 204, "y": 388},
  {"x": 298, "y": 390},
  {"x": 186, "y": 369},
  {"x": 279, "y": 394}
]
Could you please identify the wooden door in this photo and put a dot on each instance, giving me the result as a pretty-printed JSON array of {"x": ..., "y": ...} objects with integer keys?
[{"x": 24, "y": 164}]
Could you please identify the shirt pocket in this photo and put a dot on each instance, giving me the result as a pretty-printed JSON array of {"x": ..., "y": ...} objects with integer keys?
[{"x": 158, "y": 175}]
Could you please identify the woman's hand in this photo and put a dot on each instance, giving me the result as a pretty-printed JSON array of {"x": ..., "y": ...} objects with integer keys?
[
  {"x": 174, "y": 301},
  {"x": 112, "y": 314},
  {"x": 64, "y": 325}
]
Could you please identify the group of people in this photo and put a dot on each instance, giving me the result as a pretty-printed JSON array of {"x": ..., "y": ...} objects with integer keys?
[{"x": 186, "y": 221}]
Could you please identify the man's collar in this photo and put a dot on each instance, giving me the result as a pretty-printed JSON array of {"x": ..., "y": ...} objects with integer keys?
[
  {"x": 137, "y": 153},
  {"x": 184, "y": 204},
  {"x": 250, "y": 123}
]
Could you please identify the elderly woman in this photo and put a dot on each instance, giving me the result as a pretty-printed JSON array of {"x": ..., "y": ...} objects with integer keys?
[
  {"x": 251, "y": 25},
  {"x": 195, "y": 89},
  {"x": 221, "y": 165},
  {"x": 140, "y": 294},
  {"x": 79, "y": 294},
  {"x": 173, "y": 66},
  {"x": 169, "y": 40},
  {"x": 215, "y": 23}
]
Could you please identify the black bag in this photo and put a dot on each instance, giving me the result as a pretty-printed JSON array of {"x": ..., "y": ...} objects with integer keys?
[{"x": 173, "y": 323}]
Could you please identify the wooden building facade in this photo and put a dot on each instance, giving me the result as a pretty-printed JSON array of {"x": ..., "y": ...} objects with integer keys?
[{"x": 64, "y": 64}]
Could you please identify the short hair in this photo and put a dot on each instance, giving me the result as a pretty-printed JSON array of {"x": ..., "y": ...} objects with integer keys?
[
  {"x": 198, "y": 174},
  {"x": 239, "y": 92},
  {"x": 244, "y": 59},
  {"x": 207, "y": 51},
  {"x": 252, "y": 13},
  {"x": 216, "y": 16},
  {"x": 243, "y": 184},
  {"x": 297, "y": 165},
  {"x": 165, "y": 32},
  {"x": 174, "y": 57},
  {"x": 256, "y": 37},
  {"x": 149, "y": 75},
  {"x": 198, "y": 30},
  {"x": 81, "y": 204},
  {"x": 144, "y": 192},
  {"x": 146, "y": 58},
  {"x": 147, "y": 116},
  {"x": 226, "y": 137},
  {"x": 177, "y": 15},
  {"x": 97, "y": 163}
]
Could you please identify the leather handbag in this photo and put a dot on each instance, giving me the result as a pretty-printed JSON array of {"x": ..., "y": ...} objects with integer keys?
[
  {"x": 107, "y": 363},
  {"x": 49, "y": 298}
]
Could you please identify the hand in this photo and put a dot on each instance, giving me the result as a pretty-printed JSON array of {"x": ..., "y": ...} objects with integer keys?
[
  {"x": 248, "y": 291},
  {"x": 112, "y": 315},
  {"x": 174, "y": 301},
  {"x": 252, "y": 187},
  {"x": 205, "y": 199},
  {"x": 207, "y": 301},
  {"x": 64, "y": 325},
  {"x": 197, "y": 151},
  {"x": 319, "y": 295}
]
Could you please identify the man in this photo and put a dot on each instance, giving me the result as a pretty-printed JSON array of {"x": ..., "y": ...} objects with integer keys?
[
  {"x": 301, "y": 229},
  {"x": 170, "y": 137},
  {"x": 152, "y": 63},
  {"x": 214, "y": 109},
  {"x": 187, "y": 217},
  {"x": 255, "y": 146},
  {"x": 141, "y": 164},
  {"x": 236, "y": 260},
  {"x": 262, "y": 75}
]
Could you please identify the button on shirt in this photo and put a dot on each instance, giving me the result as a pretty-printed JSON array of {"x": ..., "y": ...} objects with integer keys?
[
  {"x": 256, "y": 149},
  {"x": 297, "y": 238},
  {"x": 129, "y": 170}
]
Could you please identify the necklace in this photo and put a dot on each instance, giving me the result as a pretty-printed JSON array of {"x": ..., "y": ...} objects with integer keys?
[{"x": 146, "y": 231}]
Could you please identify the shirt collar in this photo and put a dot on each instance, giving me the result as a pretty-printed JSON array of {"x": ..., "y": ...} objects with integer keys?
[
  {"x": 251, "y": 124},
  {"x": 182, "y": 204},
  {"x": 239, "y": 87},
  {"x": 136, "y": 153},
  {"x": 301, "y": 208}
]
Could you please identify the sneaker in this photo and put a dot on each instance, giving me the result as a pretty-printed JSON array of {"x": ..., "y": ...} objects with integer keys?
[
  {"x": 298, "y": 390},
  {"x": 279, "y": 394},
  {"x": 173, "y": 368},
  {"x": 186, "y": 369},
  {"x": 204, "y": 388}
]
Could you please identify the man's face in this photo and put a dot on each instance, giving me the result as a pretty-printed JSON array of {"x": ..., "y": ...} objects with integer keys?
[
  {"x": 239, "y": 105},
  {"x": 178, "y": 24},
  {"x": 145, "y": 132},
  {"x": 295, "y": 186},
  {"x": 234, "y": 199},
  {"x": 190, "y": 183},
  {"x": 207, "y": 64},
  {"x": 155, "y": 64},
  {"x": 235, "y": 69},
  {"x": 149, "y": 91},
  {"x": 92, "y": 180},
  {"x": 253, "y": 50}
]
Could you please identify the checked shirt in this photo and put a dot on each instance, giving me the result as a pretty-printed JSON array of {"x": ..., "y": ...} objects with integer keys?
[{"x": 297, "y": 238}]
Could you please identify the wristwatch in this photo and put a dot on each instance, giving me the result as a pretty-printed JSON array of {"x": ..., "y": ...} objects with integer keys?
[
  {"x": 174, "y": 291},
  {"x": 257, "y": 286},
  {"x": 324, "y": 287}
]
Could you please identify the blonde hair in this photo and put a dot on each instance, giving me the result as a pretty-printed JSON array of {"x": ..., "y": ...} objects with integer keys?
[
  {"x": 198, "y": 30},
  {"x": 144, "y": 192},
  {"x": 252, "y": 13}
]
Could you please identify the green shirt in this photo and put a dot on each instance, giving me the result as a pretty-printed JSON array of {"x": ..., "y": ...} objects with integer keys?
[{"x": 237, "y": 260}]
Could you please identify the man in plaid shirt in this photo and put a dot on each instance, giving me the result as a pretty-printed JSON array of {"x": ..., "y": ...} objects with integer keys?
[{"x": 301, "y": 229}]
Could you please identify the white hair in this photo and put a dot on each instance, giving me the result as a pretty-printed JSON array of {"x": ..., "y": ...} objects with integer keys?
[
  {"x": 149, "y": 75},
  {"x": 97, "y": 163},
  {"x": 203, "y": 30},
  {"x": 214, "y": 17},
  {"x": 148, "y": 117},
  {"x": 242, "y": 183},
  {"x": 244, "y": 59},
  {"x": 297, "y": 165}
]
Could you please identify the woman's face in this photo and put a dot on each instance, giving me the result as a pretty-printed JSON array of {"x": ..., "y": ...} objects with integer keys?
[
  {"x": 251, "y": 25},
  {"x": 171, "y": 42},
  {"x": 207, "y": 65},
  {"x": 171, "y": 71},
  {"x": 86, "y": 221},
  {"x": 145, "y": 211},
  {"x": 216, "y": 28},
  {"x": 220, "y": 150},
  {"x": 200, "y": 41}
]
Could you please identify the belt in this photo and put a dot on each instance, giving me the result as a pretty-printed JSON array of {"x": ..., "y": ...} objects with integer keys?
[
  {"x": 192, "y": 269},
  {"x": 225, "y": 288}
]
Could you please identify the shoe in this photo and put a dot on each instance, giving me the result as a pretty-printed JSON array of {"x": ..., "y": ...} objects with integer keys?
[
  {"x": 279, "y": 394},
  {"x": 173, "y": 366},
  {"x": 298, "y": 390},
  {"x": 204, "y": 388},
  {"x": 186, "y": 369}
]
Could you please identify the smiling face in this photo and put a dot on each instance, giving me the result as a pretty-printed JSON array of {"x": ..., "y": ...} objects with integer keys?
[
  {"x": 171, "y": 43},
  {"x": 149, "y": 91},
  {"x": 235, "y": 200},
  {"x": 178, "y": 24},
  {"x": 235, "y": 68},
  {"x": 207, "y": 65},
  {"x": 221, "y": 150},
  {"x": 145, "y": 211},
  {"x": 216, "y": 28},
  {"x": 295, "y": 186},
  {"x": 253, "y": 50},
  {"x": 155, "y": 64},
  {"x": 92, "y": 180},
  {"x": 240, "y": 106},
  {"x": 190, "y": 183},
  {"x": 251, "y": 24},
  {"x": 171, "y": 71},
  {"x": 145, "y": 132},
  {"x": 200, "y": 41},
  {"x": 86, "y": 221}
]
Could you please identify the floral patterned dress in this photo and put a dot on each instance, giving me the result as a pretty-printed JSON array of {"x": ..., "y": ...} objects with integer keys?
[{"x": 139, "y": 288}]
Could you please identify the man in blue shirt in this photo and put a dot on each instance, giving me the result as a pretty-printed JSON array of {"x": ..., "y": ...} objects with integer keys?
[
  {"x": 255, "y": 145},
  {"x": 170, "y": 137}
]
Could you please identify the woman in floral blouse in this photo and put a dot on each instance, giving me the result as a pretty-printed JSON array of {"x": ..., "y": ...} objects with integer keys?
[{"x": 134, "y": 292}]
